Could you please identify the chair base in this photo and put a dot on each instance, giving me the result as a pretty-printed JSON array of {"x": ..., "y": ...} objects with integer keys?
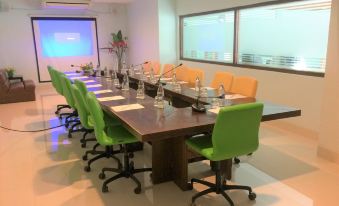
[
  {"x": 108, "y": 153},
  {"x": 84, "y": 141},
  {"x": 61, "y": 106},
  {"x": 220, "y": 187},
  {"x": 127, "y": 171}
]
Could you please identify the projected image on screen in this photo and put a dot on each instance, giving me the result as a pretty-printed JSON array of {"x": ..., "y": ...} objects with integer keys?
[
  {"x": 66, "y": 38},
  {"x": 209, "y": 37},
  {"x": 64, "y": 41}
]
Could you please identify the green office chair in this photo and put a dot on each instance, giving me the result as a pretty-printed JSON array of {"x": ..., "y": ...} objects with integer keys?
[
  {"x": 111, "y": 120},
  {"x": 67, "y": 91},
  {"x": 114, "y": 135},
  {"x": 58, "y": 87},
  {"x": 87, "y": 127},
  {"x": 235, "y": 133}
]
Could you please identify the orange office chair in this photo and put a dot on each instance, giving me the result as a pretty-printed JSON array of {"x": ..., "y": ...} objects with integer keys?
[
  {"x": 194, "y": 73},
  {"x": 246, "y": 86},
  {"x": 182, "y": 73},
  {"x": 224, "y": 78},
  {"x": 156, "y": 67},
  {"x": 166, "y": 68}
]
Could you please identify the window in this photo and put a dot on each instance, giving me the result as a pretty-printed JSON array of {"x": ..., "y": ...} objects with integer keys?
[
  {"x": 209, "y": 37},
  {"x": 291, "y": 36},
  {"x": 288, "y": 37}
]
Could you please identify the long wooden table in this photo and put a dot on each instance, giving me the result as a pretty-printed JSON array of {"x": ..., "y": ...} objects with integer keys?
[{"x": 168, "y": 128}]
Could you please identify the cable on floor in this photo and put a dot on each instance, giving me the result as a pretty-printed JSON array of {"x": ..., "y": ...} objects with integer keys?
[{"x": 40, "y": 130}]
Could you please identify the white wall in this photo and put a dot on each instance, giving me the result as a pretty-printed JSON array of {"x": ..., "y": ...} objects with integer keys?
[
  {"x": 143, "y": 32},
  {"x": 167, "y": 31},
  {"x": 329, "y": 133},
  {"x": 16, "y": 38},
  {"x": 299, "y": 91}
]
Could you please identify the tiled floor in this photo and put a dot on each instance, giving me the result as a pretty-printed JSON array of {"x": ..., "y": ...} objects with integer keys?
[{"x": 46, "y": 168}]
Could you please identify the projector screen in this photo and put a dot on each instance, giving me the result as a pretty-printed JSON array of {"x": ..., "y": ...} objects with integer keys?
[{"x": 61, "y": 42}]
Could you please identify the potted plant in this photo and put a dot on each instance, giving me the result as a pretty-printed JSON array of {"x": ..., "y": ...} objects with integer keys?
[
  {"x": 87, "y": 68},
  {"x": 10, "y": 71},
  {"x": 119, "y": 46}
]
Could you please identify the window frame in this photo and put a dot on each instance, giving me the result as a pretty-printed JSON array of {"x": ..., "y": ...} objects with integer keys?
[{"x": 236, "y": 41}]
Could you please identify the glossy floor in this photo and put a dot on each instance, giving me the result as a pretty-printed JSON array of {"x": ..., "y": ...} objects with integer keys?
[{"x": 45, "y": 168}]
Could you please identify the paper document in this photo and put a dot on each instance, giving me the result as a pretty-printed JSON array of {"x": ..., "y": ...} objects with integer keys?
[
  {"x": 105, "y": 99},
  {"x": 81, "y": 77},
  {"x": 127, "y": 107},
  {"x": 166, "y": 79},
  {"x": 72, "y": 74},
  {"x": 208, "y": 88},
  {"x": 94, "y": 85},
  {"x": 88, "y": 81},
  {"x": 215, "y": 111},
  {"x": 234, "y": 96},
  {"x": 102, "y": 91}
]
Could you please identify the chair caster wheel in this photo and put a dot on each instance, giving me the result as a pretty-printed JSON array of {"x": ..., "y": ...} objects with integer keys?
[
  {"x": 83, "y": 145},
  {"x": 82, "y": 141},
  {"x": 252, "y": 196},
  {"x": 69, "y": 135},
  {"x": 130, "y": 155},
  {"x": 137, "y": 190},
  {"x": 87, "y": 169},
  {"x": 102, "y": 176},
  {"x": 236, "y": 160},
  {"x": 104, "y": 189},
  {"x": 84, "y": 157},
  {"x": 60, "y": 118},
  {"x": 56, "y": 112},
  {"x": 119, "y": 166}
]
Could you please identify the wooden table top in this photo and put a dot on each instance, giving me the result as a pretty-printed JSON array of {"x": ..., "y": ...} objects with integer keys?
[{"x": 152, "y": 124}]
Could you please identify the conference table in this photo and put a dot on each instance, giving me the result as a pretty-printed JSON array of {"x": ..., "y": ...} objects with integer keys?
[{"x": 167, "y": 129}]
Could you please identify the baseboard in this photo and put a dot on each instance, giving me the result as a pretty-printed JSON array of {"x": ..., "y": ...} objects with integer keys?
[
  {"x": 293, "y": 128},
  {"x": 328, "y": 154}
]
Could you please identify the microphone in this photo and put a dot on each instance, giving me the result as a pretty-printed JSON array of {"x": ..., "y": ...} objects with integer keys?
[
  {"x": 199, "y": 107},
  {"x": 139, "y": 64},
  {"x": 158, "y": 82}
]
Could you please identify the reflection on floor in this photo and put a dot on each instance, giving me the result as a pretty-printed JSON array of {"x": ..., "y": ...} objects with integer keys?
[{"x": 46, "y": 168}]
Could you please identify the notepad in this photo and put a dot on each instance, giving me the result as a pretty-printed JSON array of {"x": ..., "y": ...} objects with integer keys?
[
  {"x": 166, "y": 79},
  {"x": 127, "y": 107},
  {"x": 102, "y": 91},
  {"x": 88, "y": 81},
  {"x": 208, "y": 88},
  {"x": 179, "y": 82},
  {"x": 72, "y": 74},
  {"x": 234, "y": 96},
  {"x": 94, "y": 85},
  {"x": 215, "y": 110},
  {"x": 81, "y": 77},
  {"x": 112, "y": 98}
]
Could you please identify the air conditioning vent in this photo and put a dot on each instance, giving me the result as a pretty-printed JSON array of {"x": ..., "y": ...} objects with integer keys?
[{"x": 65, "y": 4}]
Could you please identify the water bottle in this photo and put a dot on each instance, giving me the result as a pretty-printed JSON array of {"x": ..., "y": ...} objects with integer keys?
[
  {"x": 98, "y": 71},
  {"x": 197, "y": 85},
  {"x": 105, "y": 72},
  {"x": 131, "y": 70},
  {"x": 160, "y": 97},
  {"x": 125, "y": 82},
  {"x": 151, "y": 76},
  {"x": 141, "y": 90},
  {"x": 142, "y": 74},
  {"x": 221, "y": 94}
]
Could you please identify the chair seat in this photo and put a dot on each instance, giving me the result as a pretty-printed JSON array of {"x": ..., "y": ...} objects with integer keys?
[
  {"x": 110, "y": 121},
  {"x": 120, "y": 135},
  {"x": 202, "y": 145}
]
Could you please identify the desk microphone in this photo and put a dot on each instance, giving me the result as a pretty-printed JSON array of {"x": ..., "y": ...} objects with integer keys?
[
  {"x": 158, "y": 82},
  {"x": 139, "y": 64},
  {"x": 199, "y": 107}
]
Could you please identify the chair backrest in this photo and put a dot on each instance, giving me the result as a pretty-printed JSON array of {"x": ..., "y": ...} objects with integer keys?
[
  {"x": 224, "y": 78},
  {"x": 166, "y": 68},
  {"x": 156, "y": 67},
  {"x": 80, "y": 103},
  {"x": 58, "y": 82},
  {"x": 50, "y": 72},
  {"x": 67, "y": 92},
  {"x": 83, "y": 91},
  {"x": 236, "y": 130},
  {"x": 182, "y": 73},
  {"x": 4, "y": 82},
  {"x": 194, "y": 73},
  {"x": 246, "y": 86},
  {"x": 98, "y": 120}
]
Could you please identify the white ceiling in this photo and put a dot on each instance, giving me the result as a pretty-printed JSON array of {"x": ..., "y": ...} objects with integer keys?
[{"x": 111, "y": 1}]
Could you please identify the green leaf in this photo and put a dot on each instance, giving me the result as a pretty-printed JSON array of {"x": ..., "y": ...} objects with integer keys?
[{"x": 119, "y": 35}]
